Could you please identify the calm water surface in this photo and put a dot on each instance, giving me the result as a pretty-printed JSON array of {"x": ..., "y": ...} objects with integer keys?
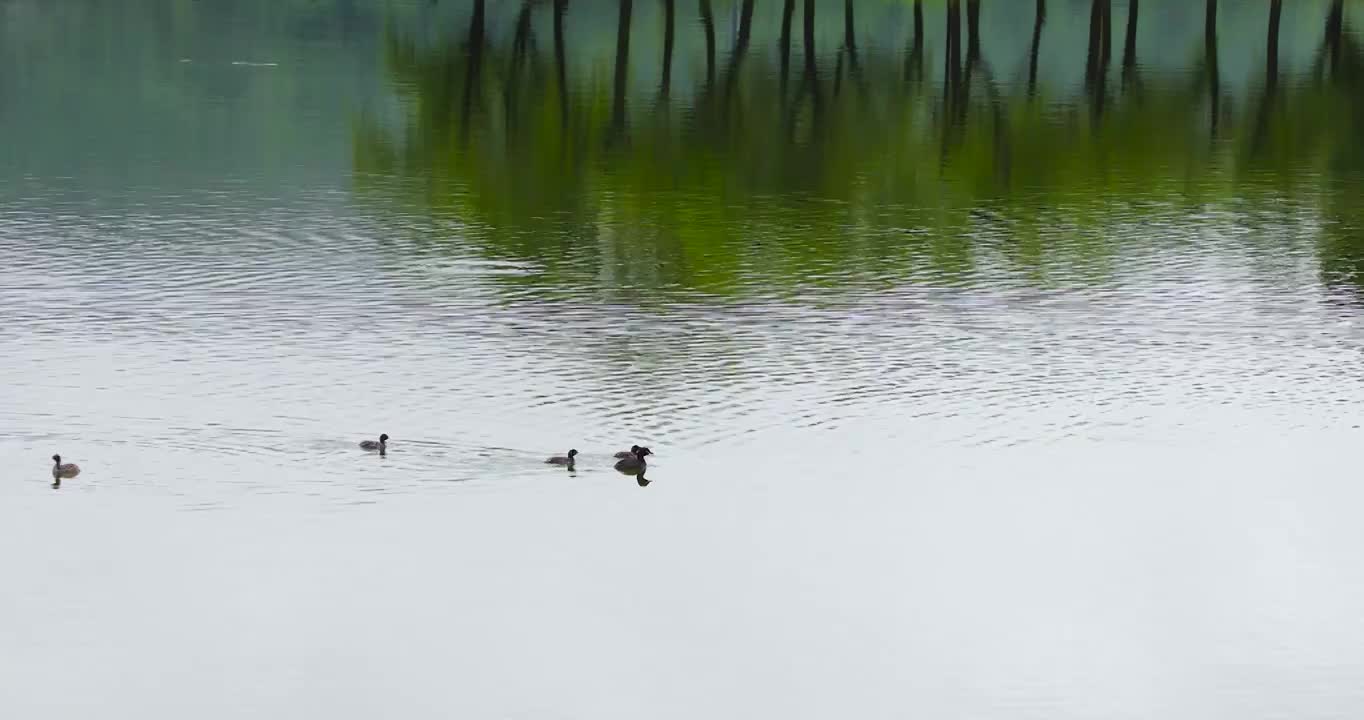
[{"x": 1019, "y": 378}]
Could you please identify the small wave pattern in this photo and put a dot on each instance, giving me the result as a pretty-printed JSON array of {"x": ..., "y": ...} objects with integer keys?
[{"x": 226, "y": 345}]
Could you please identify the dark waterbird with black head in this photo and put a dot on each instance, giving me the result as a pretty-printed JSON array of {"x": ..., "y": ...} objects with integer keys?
[
  {"x": 371, "y": 446},
  {"x": 631, "y": 452},
  {"x": 563, "y": 459},
  {"x": 634, "y": 464},
  {"x": 63, "y": 470}
]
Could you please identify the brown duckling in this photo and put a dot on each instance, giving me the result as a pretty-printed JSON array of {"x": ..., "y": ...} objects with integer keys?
[{"x": 63, "y": 470}]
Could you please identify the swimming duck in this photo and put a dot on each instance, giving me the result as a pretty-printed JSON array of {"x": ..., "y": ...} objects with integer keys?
[
  {"x": 381, "y": 446},
  {"x": 563, "y": 459},
  {"x": 635, "y": 464},
  {"x": 631, "y": 452},
  {"x": 59, "y": 471}
]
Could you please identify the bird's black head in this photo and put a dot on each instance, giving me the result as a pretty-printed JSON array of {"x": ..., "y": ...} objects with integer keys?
[
  {"x": 57, "y": 459},
  {"x": 644, "y": 451},
  {"x": 383, "y": 437},
  {"x": 572, "y": 453}
]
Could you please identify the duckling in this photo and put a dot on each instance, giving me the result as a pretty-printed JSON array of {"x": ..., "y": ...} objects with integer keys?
[
  {"x": 59, "y": 471},
  {"x": 563, "y": 459},
  {"x": 381, "y": 446},
  {"x": 631, "y": 452},
  {"x": 635, "y": 464}
]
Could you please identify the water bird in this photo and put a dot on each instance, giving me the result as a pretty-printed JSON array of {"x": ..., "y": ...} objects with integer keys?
[
  {"x": 563, "y": 459},
  {"x": 631, "y": 452},
  {"x": 381, "y": 446},
  {"x": 63, "y": 470},
  {"x": 635, "y": 464}
]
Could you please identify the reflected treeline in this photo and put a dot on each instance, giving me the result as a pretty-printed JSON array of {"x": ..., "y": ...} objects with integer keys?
[{"x": 717, "y": 136}]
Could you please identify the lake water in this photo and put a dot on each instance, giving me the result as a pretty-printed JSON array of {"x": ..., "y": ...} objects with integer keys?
[{"x": 1014, "y": 378}]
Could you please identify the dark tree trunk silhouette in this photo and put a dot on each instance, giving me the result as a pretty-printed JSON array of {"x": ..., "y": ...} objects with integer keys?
[
  {"x": 708, "y": 26},
  {"x": 810, "y": 79},
  {"x": 1096, "y": 67},
  {"x": 1039, "y": 19},
  {"x": 849, "y": 35},
  {"x": 952, "y": 77},
  {"x": 520, "y": 46},
  {"x": 838, "y": 72},
  {"x": 745, "y": 26},
  {"x": 809, "y": 32},
  {"x": 1272, "y": 47},
  {"x": 622, "y": 67},
  {"x": 914, "y": 59},
  {"x": 474, "y": 69},
  {"x": 665, "y": 87},
  {"x": 560, "y": 60},
  {"x": 1271, "y": 91},
  {"x": 849, "y": 44},
  {"x": 972, "y": 31},
  {"x": 1210, "y": 23},
  {"x": 1129, "y": 48},
  {"x": 787, "y": 10},
  {"x": 1335, "y": 26},
  {"x": 1214, "y": 70},
  {"x": 521, "y": 39},
  {"x": 1092, "y": 56},
  {"x": 740, "y": 46},
  {"x": 952, "y": 68},
  {"x": 1108, "y": 33},
  {"x": 973, "y": 57}
]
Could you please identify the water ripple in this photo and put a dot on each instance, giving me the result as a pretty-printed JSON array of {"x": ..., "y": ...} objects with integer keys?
[{"x": 255, "y": 342}]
